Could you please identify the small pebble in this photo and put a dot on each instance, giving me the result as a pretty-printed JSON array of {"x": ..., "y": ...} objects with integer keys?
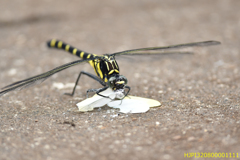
[
  {"x": 191, "y": 138},
  {"x": 177, "y": 137}
]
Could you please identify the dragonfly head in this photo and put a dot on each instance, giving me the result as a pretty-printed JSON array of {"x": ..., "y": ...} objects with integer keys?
[{"x": 117, "y": 82}]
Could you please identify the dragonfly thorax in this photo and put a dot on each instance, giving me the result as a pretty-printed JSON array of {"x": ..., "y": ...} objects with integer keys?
[{"x": 107, "y": 67}]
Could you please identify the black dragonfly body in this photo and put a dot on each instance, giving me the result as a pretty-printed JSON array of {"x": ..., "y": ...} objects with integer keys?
[{"x": 105, "y": 66}]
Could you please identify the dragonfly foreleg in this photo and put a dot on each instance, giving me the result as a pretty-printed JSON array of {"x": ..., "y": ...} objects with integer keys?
[
  {"x": 98, "y": 91},
  {"x": 89, "y": 75}
]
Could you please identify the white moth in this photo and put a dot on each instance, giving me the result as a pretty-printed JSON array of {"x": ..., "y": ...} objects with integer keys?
[{"x": 130, "y": 104}]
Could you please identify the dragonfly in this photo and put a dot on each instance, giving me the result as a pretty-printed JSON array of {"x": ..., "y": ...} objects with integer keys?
[{"x": 105, "y": 66}]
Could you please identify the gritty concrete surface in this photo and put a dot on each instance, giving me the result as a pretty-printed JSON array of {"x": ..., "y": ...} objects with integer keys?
[{"x": 199, "y": 93}]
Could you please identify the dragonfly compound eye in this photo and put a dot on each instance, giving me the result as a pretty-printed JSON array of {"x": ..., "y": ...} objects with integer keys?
[
  {"x": 123, "y": 78},
  {"x": 111, "y": 82}
]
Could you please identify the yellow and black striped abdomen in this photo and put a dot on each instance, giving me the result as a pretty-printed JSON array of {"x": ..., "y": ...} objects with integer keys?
[
  {"x": 61, "y": 45},
  {"x": 84, "y": 55}
]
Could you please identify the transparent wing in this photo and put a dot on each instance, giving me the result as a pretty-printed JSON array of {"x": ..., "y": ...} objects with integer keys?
[
  {"x": 38, "y": 78},
  {"x": 157, "y": 53},
  {"x": 144, "y": 51}
]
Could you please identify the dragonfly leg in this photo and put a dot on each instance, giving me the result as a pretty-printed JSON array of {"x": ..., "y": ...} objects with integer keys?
[
  {"x": 125, "y": 95},
  {"x": 89, "y": 75},
  {"x": 98, "y": 91},
  {"x": 129, "y": 88}
]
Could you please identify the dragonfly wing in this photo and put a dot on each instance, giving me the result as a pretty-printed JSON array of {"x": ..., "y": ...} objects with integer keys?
[
  {"x": 150, "y": 49},
  {"x": 38, "y": 78}
]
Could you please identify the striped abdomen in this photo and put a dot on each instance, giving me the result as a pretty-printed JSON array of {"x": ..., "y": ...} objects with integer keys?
[
  {"x": 61, "y": 45},
  {"x": 84, "y": 55}
]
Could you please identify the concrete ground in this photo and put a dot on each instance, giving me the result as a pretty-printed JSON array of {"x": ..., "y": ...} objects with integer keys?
[{"x": 199, "y": 93}]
